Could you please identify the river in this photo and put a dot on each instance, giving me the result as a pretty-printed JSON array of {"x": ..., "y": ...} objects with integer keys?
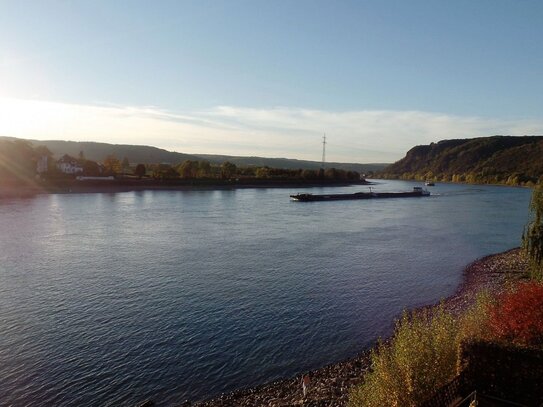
[{"x": 110, "y": 299}]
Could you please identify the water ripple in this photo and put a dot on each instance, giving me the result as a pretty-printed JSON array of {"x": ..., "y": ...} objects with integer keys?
[{"x": 110, "y": 299}]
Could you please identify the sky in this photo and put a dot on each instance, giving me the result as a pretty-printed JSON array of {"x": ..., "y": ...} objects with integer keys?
[{"x": 270, "y": 78}]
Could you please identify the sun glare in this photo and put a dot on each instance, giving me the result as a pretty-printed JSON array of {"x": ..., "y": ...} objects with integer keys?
[{"x": 22, "y": 118}]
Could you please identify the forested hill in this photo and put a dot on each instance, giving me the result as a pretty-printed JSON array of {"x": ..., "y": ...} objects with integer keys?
[
  {"x": 152, "y": 155},
  {"x": 497, "y": 159},
  {"x": 290, "y": 163}
]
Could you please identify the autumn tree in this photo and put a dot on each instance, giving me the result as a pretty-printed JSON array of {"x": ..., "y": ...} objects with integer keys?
[
  {"x": 532, "y": 239},
  {"x": 112, "y": 164},
  {"x": 188, "y": 169},
  {"x": 262, "y": 172},
  {"x": 517, "y": 315}
]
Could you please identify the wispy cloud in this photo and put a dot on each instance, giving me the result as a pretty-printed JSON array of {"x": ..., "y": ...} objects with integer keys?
[{"x": 355, "y": 136}]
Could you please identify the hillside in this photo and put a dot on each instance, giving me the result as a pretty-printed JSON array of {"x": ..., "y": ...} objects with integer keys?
[
  {"x": 152, "y": 155},
  {"x": 98, "y": 151},
  {"x": 497, "y": 159},
  {"x": 289, "y": 163}
]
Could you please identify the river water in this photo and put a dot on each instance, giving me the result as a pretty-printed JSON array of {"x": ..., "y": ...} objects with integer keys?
[{"x": 110, "y": 299}]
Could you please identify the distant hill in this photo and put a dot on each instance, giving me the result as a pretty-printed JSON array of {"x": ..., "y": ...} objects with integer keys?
[
  {"x": 98, "y": 151},
  {"x": 497, "y": 159},
  {"x": 152, "y": 155},
  {"x": 291, "y": 163}
]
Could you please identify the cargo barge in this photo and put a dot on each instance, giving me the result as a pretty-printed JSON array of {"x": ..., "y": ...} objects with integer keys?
[{"x": 416, "y": 193}]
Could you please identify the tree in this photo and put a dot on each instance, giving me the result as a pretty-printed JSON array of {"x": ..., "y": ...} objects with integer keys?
[
  {"x": 262, "y": 172},
  {"x": 140, "y": 170},
  {"x": 43, "y": 150},
  {"x": 17, "y": 161},
  {"x": 320, "y": 174},
  {"x": 125, "y": 164},
  {"x": 90, "y": 168},
  {"x": 334, "y": 174},
  {"x": 188, "y": 169},
  {"x": 309, "y": 174},
  {"x": 112, "y": 164},
  {"x": 517, "y": 315},
  {"x": 532, "y": 238},
  {"x": 421, "y": 357},
  {"x": 353, "y": 175},
  {"x": 228, "y": 169},
  {"x": 164, "y": 172},
  {"x": 204, "y": 169}
]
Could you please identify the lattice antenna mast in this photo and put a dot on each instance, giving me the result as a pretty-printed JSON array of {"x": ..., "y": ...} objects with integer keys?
[{"x": 323, "y": 150}]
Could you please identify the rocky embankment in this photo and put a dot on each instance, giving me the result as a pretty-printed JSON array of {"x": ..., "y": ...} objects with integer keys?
[
  {"x": 491, "y": 274},
  {"x": 330, "y": 385}
]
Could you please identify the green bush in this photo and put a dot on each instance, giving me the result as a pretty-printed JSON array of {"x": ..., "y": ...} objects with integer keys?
[
  {"x": 421, "y": 356},
  {"x": 475, "y": 321}
]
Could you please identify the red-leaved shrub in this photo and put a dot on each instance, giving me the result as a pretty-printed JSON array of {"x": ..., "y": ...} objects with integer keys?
[{"x": 517, "y": 315}]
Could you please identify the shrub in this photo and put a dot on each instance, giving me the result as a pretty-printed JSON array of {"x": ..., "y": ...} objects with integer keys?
[
  {"x": 517, "y": 315},
  {"x": 474, "y": 322},
  {"x": 532, "y": 239},
  {"x": 421, "y": 357}
]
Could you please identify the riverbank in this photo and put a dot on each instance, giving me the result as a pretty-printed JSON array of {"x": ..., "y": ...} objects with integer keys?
[
  {"x": 72, "y": 186},
  {"x": 331, "y": 384}
]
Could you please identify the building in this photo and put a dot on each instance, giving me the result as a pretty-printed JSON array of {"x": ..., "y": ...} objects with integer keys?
[
  {"x": 69, "y": 165},
  {"x": 41, "y": 165}
]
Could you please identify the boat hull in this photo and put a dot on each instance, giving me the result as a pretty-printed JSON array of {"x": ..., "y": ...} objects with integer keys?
[{"x": 358, "y": 195}]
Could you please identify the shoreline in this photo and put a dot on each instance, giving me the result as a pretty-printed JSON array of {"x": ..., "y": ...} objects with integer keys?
[
  {"x": 330, "y": 385},
  {"x": 120, "y": 186}
]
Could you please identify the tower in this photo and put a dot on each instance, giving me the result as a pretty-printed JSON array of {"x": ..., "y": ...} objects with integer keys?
[{"x": 323, "y": 150}]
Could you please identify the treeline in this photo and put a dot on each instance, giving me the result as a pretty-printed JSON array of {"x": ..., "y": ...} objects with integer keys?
[
  {"x": 18, "y": 160},
  {"x": 20, "y": 163},
  {"x": 493, "y": 160},
  {"x": 204, "y": 170},
  {"x": 194, "y": 170}
]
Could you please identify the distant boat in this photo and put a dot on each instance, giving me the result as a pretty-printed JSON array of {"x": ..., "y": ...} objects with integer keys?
[
  {"x": 417, "y": 192},
  {"x": 429, "y": 183}
]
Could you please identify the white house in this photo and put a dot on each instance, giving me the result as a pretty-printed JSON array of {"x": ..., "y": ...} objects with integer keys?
[{"x": 69, "y": 165}]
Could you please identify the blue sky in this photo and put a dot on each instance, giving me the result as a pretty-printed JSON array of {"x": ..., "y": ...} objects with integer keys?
[{"x": 270, "y": 77}]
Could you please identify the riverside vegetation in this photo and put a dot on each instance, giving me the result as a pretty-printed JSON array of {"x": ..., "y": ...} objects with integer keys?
[
  {"x": 19, "y": 162},
  {"x": 532, "y": 239},
  {"x": 424, "y": 352}
]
